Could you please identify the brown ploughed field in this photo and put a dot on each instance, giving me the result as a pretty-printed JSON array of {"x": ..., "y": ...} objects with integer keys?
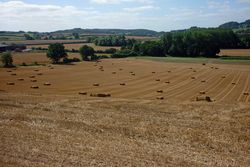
[{"x": 147, "y": 114}]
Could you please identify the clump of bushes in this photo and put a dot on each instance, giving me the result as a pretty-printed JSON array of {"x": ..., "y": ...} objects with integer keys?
[
  {"x": 68, "y": 60},
  {"x": 103, "y": 57},
  {"x": 23, "y": 64},
  {"x": 124, "y": 53},
  {"x": 110, "y": 51},
  {"x": 7, "y": 59}
]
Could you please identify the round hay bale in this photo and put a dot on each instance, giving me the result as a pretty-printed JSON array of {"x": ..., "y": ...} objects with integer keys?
[
  {"x": 169, "y": 71},
  {"x": 193, "y": 77},
  {"x": 47, "y": 84},
  {"x": 9, "y": 71},
  {"x": 204, "y": 98},
  {"x": 216, "y": 68},
  {"x": 246, "y": 93},
  {"x": 101, "y": 70},
  {"x": 203, "y": 64},
  {"x": 202, "y": 92},
  {"x": 160, "y": 98},
  {"x": 122, "y": 84},
  {"x": 39, "y": 73},
  {"x": 34, "y": 87},
  {"x": 190, "y": 68},
  {"x": 167, "y": 82},
  {"x": 13, "y": 74},
  {"x": 157, "y": 80},
  {"x": 33, "y": 80},
  {"x": 203, "y": 81},
  {"x": 133, "y": 74},
  {"x": 159, "y": 91},
  {"x": 20, "y": 79},
  {"x": 96, "y": 84},
  {"x": 36, "y": 70},
  {"x": 223, "y": 76},
  {"x": 51, "y": 68},
  {"x": 113, "y": 72},
  {"x": 100, "y": 95},
  {"x": 10, "y": 83},
  {"x": 120, "y": 69},
  {"x": 233, "y": 83},
  {"x": 153, "y": 72},
  {"x": 32, "y": 76},
  {"x": 82, "y": 93}
]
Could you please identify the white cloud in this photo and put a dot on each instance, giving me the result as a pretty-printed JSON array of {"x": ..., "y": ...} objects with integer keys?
[
  {"x": 243, "y": 1},
  {"x": 18, "y": 15},
  {"x": 225, "y": 5},
  {"x": 140, "y": 9},
  {"x": 120, "y": 1}
]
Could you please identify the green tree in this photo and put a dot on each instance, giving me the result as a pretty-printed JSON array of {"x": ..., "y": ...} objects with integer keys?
[
  {"x": 76, "y": 35},
  {"x": 87, "y": 53},
  {"x": 6, "y": 59},
  {"x": 28, "y": 37},
  {"x": 151, "y": 48},
  {"x": 56, "y": 52}
]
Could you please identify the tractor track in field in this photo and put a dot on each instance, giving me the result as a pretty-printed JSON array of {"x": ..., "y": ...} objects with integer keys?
[
  {"x": 193, "y": 88},
  {"x": 227, "y": 87},
  {"x": 154, "y": 86},
  {"x": 182, "y": 83}
]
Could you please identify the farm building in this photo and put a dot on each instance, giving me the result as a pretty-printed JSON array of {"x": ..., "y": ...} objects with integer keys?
[
  {"x": 4, "y": 48},
  {"x": 13, "y": 47}
]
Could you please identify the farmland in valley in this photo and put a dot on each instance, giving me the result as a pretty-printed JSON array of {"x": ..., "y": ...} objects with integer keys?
[
  {"x": 77, "y": 46},
  {"x": 48, "y": 116},
  {"x": 142, "y": 79}
]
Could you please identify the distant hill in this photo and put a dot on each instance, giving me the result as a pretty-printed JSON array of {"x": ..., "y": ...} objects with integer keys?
[
  {"x": 236, "y": 25},
  {"x": 132, "y": 32}
]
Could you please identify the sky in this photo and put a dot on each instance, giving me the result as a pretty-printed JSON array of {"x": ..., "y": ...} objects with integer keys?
[{"x": 158, "y": 15}]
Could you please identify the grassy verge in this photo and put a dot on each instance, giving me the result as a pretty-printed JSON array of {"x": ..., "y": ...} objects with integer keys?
[{"x": 235, "y": 60}]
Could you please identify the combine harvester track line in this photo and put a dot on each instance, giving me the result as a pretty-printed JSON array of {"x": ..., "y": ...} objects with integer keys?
[
  {"x": 233, "y": 87},
  {"x": 149, "y": 84},
  {"x": 153, "y": 89},
  {"x": 227, "y": 88},
  {"x": 242, "y": 97},
  {"x": 133, "y": 81},
  {"x": 194, "y": 87},
  {"x": 183, "y": 83}
]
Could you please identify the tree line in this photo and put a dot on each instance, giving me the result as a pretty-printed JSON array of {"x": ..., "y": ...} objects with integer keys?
[{"x": 194, "y": 42}]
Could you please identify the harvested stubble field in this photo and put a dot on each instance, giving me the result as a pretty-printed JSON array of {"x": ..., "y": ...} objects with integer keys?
[
  {"x": 39, "y": 57},
  {"x": 186, "y": 80},
  {"x": 61, "y": 125},
  {"x": 77, "y": 46},
  {"x": 235, "y": 52}
]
